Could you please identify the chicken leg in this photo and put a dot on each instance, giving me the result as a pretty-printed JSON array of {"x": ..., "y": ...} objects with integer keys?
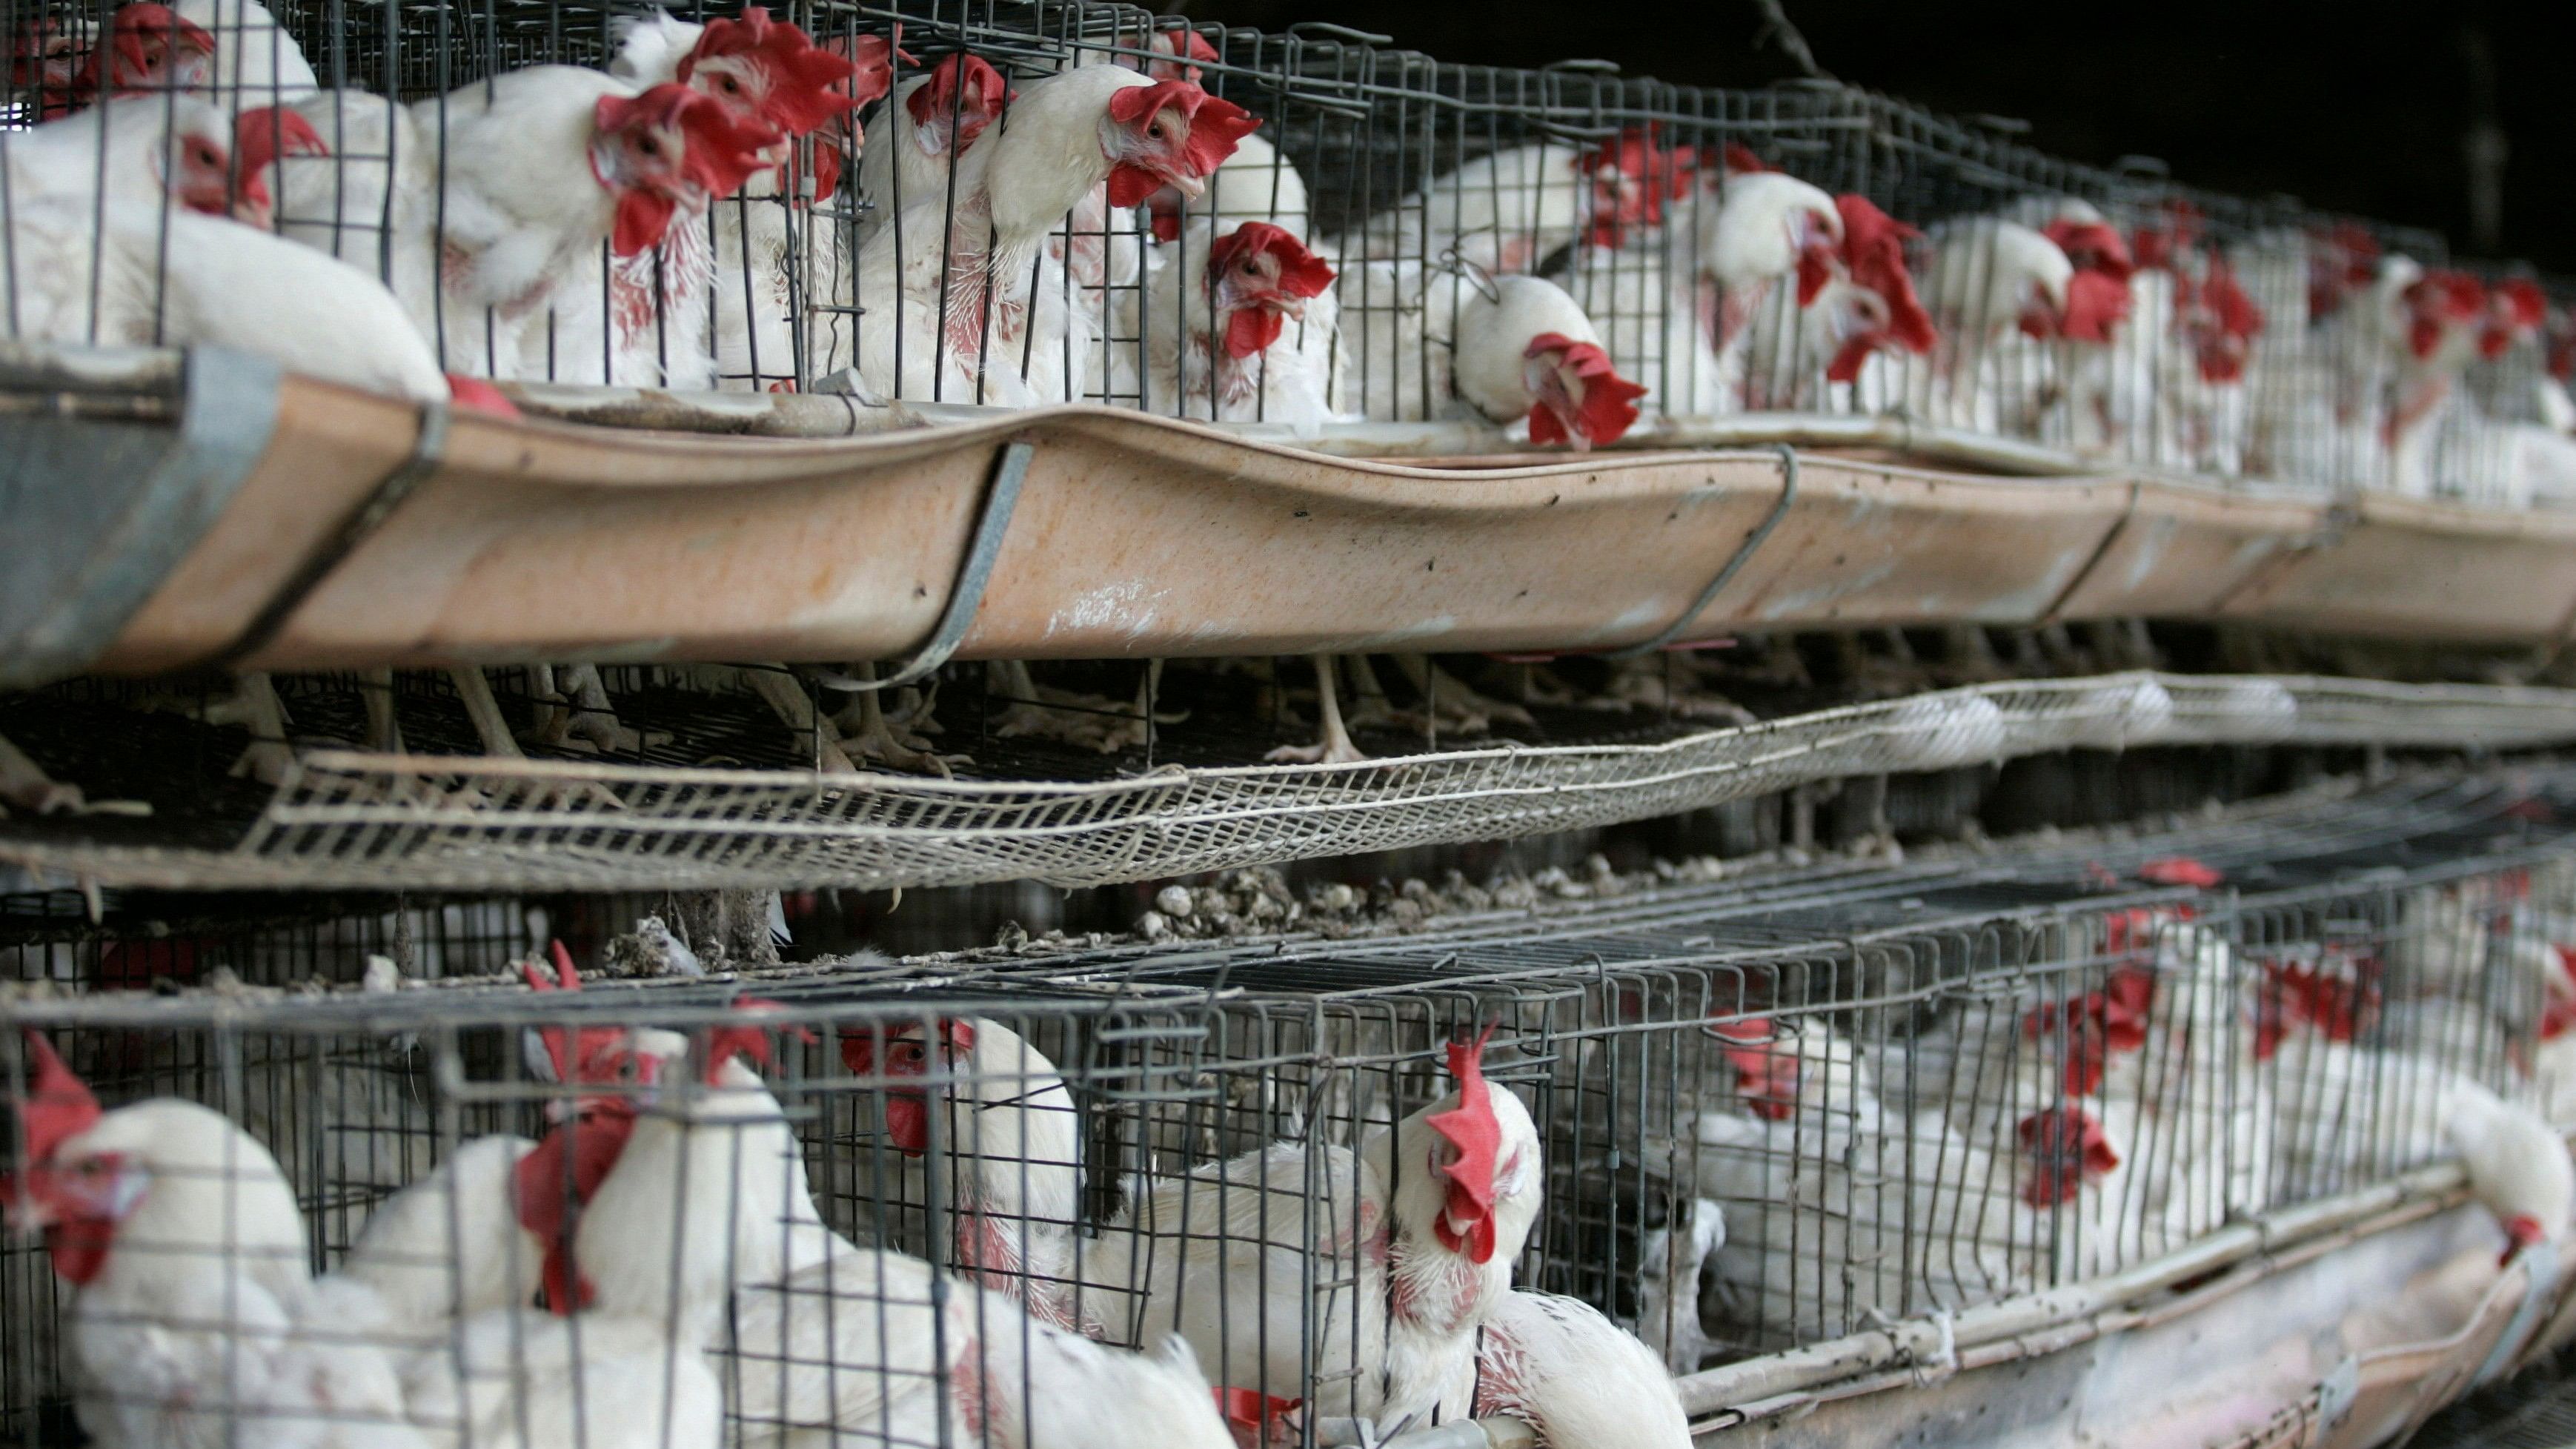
[
  {"x": 869, "y": 733},
  {"x": 1666, "y": 684},
  {"x": 592, "y": 720},
  {"x": 1335, "y": 748},
  {"x": 784, "y": 695},
  {"x": 384, "y": 729},
  {"x": 256, "y": 707},
  {"x": 1449, "y": 706},
  {"x": 24, "y": 785},
  {"x": 1039, "y": 712}
]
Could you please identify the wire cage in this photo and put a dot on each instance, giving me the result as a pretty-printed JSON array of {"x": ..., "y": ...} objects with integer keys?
[
  {"x": 1777, "y": 1117},
  {"x": 815, "y": 208},
  {"x": 876, "y": 1199}
]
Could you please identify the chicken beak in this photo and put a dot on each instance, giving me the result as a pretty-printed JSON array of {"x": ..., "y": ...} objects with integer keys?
[{"x": 1187, "y": 185}]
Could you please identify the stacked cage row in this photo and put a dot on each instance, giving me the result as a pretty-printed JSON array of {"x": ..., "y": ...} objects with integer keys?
[
  {"x": 1041, "y": 203},
  {"x": 1514, "y": 1167}
]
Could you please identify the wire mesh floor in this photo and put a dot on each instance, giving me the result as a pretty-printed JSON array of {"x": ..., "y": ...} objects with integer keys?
[{"x": 375, "y": 821}]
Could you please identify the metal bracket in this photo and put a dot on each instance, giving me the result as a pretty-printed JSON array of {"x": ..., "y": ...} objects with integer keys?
[
  {"x": 1009, "y": 472},
  {"x": 428, "y": 448},
  {"x": 1734, "y": 565},
  {"x": 2335, "y": 1396},
  {"x": 2541, "y": 1261}
]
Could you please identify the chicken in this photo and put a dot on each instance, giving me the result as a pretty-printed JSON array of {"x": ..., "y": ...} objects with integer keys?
[
  {"x": 48, "y": 60},
  {"x": 1372, "y": 1276},
  {"x": 1239, "y": 329},
  {"x": 554, "y": 161},
  {"x": 541, "y": 166},
  {"x": 1792, "y": 350},
  {"x": 1575, "y": 1376},
  {"x": 874, "y": 1348},
  {"x": 957, "y": 302},
  {"x": 2352, "y": 1112},
  {"x": 1988, "y": 277},
  {"x": 769, "y": 74},
  {"x": 1668, "y": 1274},
  {"x": 520, "y": 1378},
  {"x": 138, "y": 150},
  {"x": 2444, "y": 313},
  {"x": 1525, "y": 352},
  {"x": 149, "y": 48},
  {"x": 212, "y": 1326},
  {"x": 706, "y": 1197},
  {"x": 452, "y": 1245},
  {"x": 214, "y": 283},
  {"x": 1010, "y": 1143},
  {"x": 1822, "y": 1184},
  {"x": 1770, "y": 227},
  {"x": 255, "y": 61},
  {"x": 1256, "y": 183},
  {"x": 1509, "y": 211},
  {"x": 943, "y": 112}
]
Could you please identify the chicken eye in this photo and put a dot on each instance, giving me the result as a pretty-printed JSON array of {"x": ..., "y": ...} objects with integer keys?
[{"x": 647, "y": 146}]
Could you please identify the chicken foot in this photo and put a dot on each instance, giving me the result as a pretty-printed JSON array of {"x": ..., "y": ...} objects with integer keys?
[
  {"x": 897, "y": 738},
  {"x": 1335, "y": 748},
  {"x": 1037, "y": 711}
]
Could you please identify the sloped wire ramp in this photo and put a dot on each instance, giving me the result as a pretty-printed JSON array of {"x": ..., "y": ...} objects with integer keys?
[{"x": 351, "y": 819}]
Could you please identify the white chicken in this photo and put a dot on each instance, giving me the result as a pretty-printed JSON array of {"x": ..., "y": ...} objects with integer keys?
[
  {"x": 875, "y": 1348},
  {"x": 1010, "y": 1143},
  {"x": 1509, "y": 211},
  {"x": 192, "y": 1313},
  {"x": 1988, "y": 277},
  {"x": 707, "y": 1196},
  {"x": 1372, "y": 1274},
  {"x": 1770, "y": 228},
  {"x": 1239, "y": 328},
  {"x": 1575, "y": 1376},
  {"x": 941, "y": 115},
  {"x": 182, "y": 279},
  {"x": 958, "y": 305},
  {"x": 1525, "y": 353},
  {"x": 137, "y": 149},
  {"x": 541, "y": 167},
  {"x": 766, "y": 73}
]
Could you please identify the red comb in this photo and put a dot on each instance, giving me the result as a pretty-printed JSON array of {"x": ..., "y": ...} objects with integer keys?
[
  {"x": 1188, "y": 45},
  {"x": 1739, "y": 159},
  {"x": 1215, "y": 127},
  {"x": 583, "y": 1054},
  {"x": 965, "y": 84},
  {"x": 58, "y": 1105},
  {"x": 2180, "y": 870},
  {"x": 2068, "y": 1146},
  {"x": 2096, "y": 302},
  {"x": 2093, "y": 246},
  {"x": 1874, "y": 252},
  {"x": 724, "y": 1043},
  {"x": 1608, "y": 407},
  {"x": 1476, "y": 1135},
  {"x": 264, "y": 133},
  {"x": 872, "y": 59},
  {"x": 808, "y": 85}
]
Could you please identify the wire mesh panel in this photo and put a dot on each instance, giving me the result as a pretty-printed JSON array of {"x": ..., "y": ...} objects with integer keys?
[
  {"x": 1375, "y": 1179},
  {"x": 1804, "y": 1114},
  {"x": 1022, "y": 203}
]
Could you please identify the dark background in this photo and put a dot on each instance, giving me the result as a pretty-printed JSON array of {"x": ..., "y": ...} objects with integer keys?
[{"x": 2362, "y": 107}]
